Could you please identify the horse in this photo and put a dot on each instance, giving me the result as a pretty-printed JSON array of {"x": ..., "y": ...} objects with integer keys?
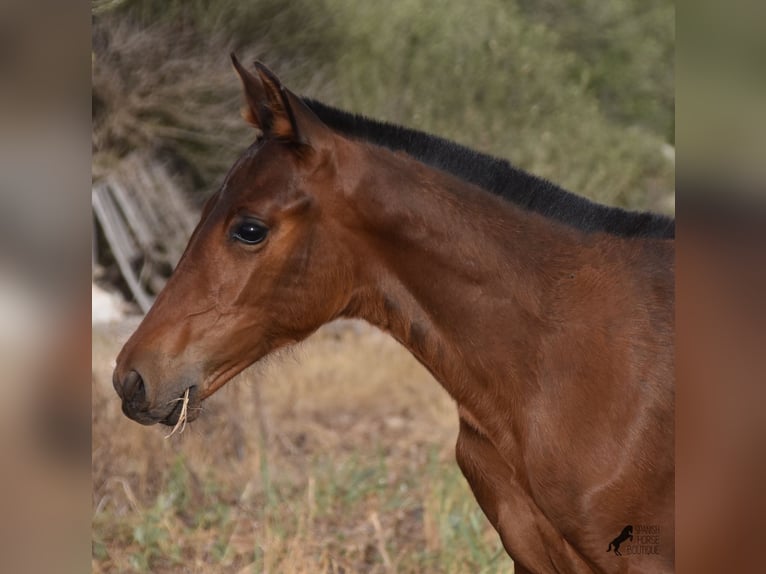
[
  {"x": 626, "y": 534},
  {"x": 546, "y": 317}
]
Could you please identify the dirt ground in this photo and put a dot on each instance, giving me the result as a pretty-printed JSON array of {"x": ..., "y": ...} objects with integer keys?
[{"x": 336, "y": 456}]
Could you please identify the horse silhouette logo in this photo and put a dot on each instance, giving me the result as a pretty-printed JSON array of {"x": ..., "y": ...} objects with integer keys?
[{"x": 626, "y": 534}]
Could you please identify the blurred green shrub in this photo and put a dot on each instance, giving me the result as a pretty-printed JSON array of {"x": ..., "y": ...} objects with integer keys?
[{"x": 581, "y": 93}]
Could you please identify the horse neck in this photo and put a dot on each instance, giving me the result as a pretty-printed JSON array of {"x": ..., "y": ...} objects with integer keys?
[{"x": 458, "y": 276}]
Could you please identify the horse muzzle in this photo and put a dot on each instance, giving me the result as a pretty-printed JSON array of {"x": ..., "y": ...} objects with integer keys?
[{"x": 138, "y": 406}]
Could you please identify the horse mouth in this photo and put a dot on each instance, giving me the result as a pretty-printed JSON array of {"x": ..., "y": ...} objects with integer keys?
[{"x": 191, "y": 411}]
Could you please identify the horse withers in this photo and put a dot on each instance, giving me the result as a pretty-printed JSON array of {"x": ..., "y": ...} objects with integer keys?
[{"x": 547, "y": 318}]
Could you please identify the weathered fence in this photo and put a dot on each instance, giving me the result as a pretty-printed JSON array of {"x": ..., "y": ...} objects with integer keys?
[{"x": 146, "y": 223}]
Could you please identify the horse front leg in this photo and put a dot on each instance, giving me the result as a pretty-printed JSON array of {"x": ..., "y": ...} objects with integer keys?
[{"x": 529, "y": 538}]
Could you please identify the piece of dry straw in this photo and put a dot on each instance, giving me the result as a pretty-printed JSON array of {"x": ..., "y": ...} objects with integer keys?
[{"x": 181, "y": 422}]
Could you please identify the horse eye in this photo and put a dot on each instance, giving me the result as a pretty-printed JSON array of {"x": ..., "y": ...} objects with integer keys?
[{"x": 249, "y": 232}]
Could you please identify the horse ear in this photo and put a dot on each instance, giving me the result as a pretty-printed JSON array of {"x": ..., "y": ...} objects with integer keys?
[
  {"x": 257, "y": 111},
  {"x": 274, "y": 109}
]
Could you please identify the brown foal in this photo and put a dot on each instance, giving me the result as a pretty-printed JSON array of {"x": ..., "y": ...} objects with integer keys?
[{"x": 555, "y": 341}]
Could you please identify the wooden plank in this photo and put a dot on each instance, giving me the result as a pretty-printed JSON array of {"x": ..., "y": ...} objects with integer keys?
[
  {"x": 117, "y": 235},
  {"x": 145, "y": 192},
  {"x": 109, "y": 215},
  {"x": 146, "y": 221},
  {"x": 180, "y": 208},
  {"x": 134, "y": 217}
]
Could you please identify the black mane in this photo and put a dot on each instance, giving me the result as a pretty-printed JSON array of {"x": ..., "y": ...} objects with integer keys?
[{"x": 498, "y": 177}]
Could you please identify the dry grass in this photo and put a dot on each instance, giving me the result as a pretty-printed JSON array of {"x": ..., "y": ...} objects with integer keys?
[
  {"x": 181, "y": 422},
  {"x": 336, "y": 457}
]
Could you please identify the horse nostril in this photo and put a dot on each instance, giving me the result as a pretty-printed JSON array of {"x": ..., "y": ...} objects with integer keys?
[{"x": 133, "y": 388}]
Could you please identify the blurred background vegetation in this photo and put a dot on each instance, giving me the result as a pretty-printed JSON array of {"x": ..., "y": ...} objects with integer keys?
[{"x": 580, "y": 92}]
